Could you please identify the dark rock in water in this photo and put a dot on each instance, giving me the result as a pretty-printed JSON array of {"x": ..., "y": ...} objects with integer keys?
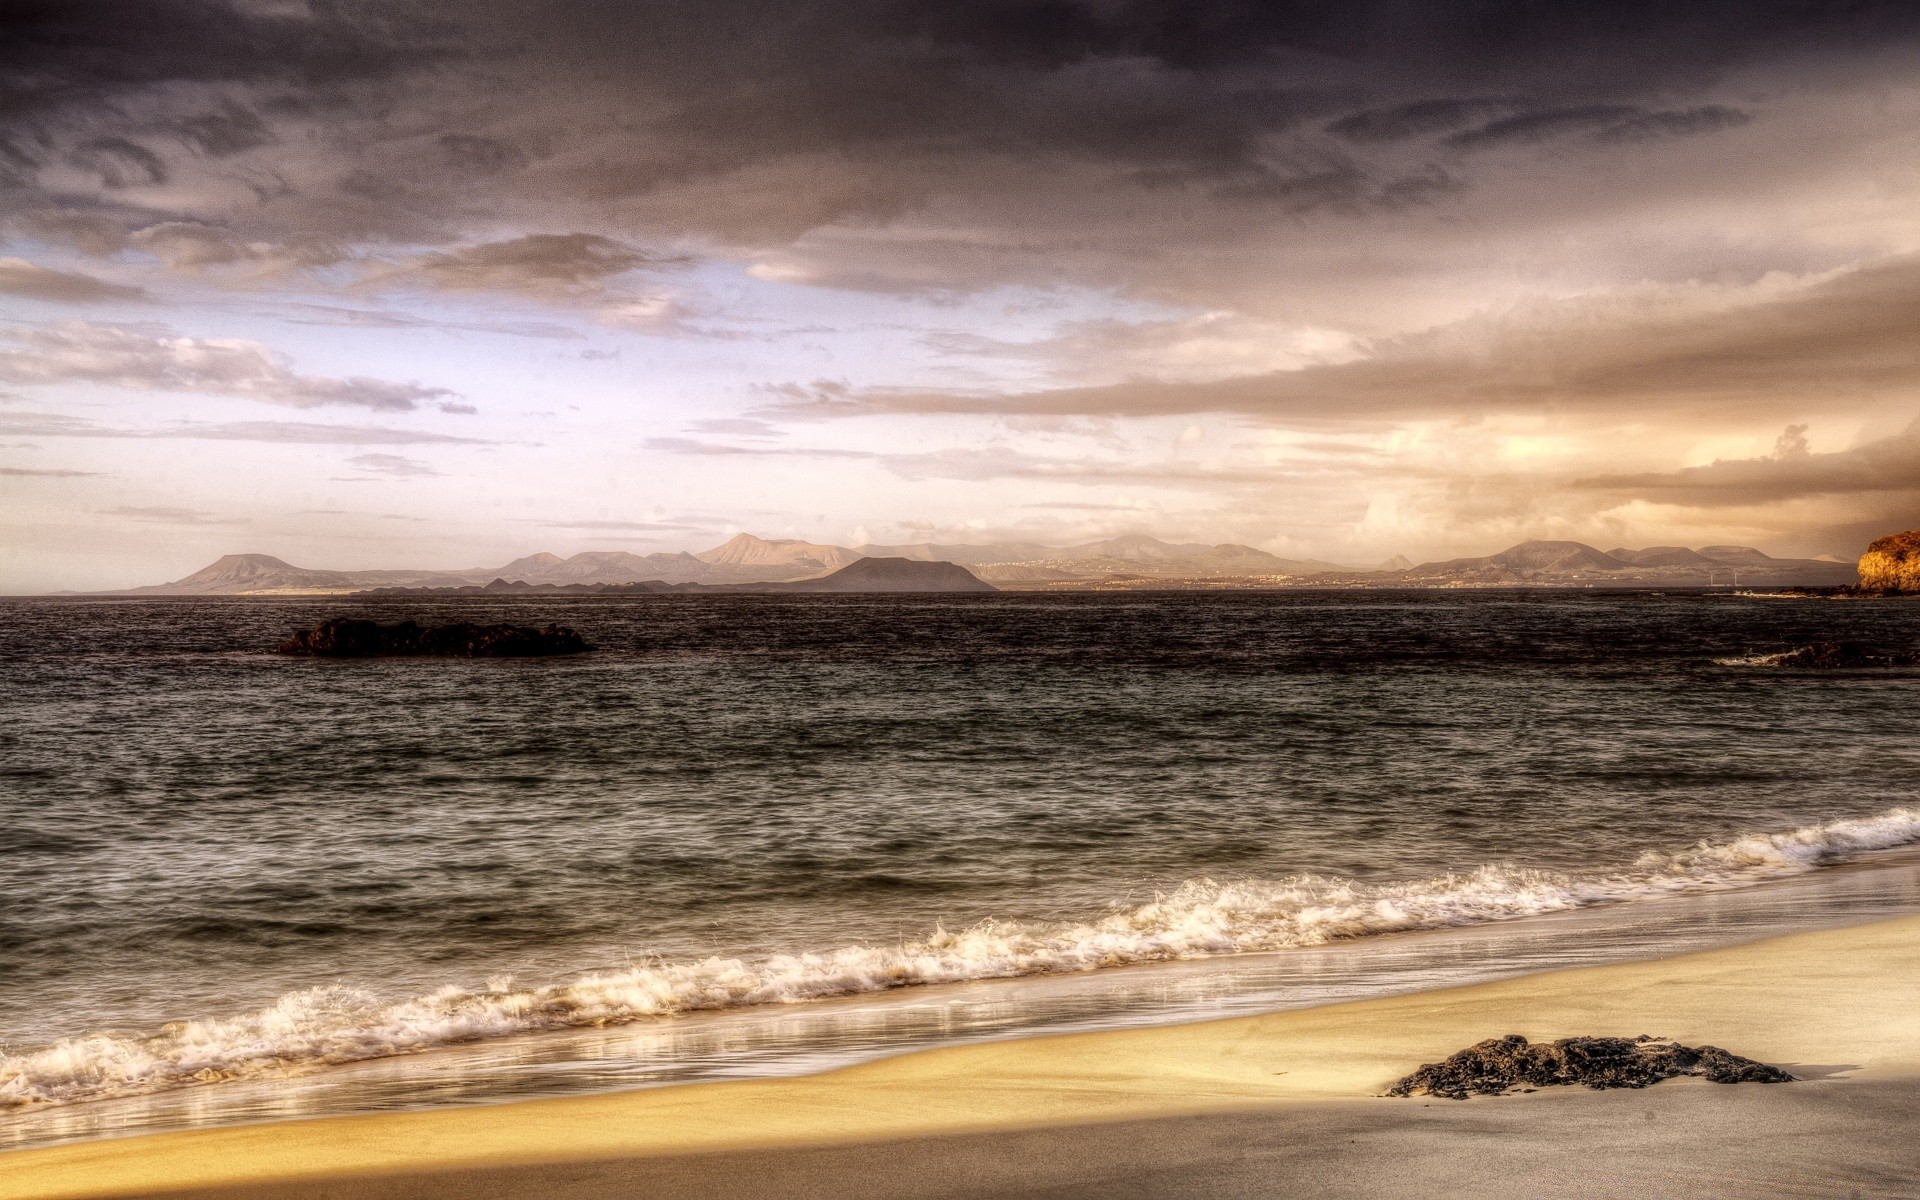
[
  {"x": 1499, "y": 1064},
  {"x": 348, "y": 637},
  {"x": 1839, "y": 655}
]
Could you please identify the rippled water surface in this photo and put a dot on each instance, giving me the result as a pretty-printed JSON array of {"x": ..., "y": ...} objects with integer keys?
[{"x": 193, "y": 829}]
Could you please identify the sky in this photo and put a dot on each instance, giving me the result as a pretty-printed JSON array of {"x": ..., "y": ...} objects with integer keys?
[{"x": 439, "y": 284}]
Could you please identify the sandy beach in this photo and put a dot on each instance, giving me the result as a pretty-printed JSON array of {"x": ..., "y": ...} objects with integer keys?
[{"x": 1281, "y": 1104}]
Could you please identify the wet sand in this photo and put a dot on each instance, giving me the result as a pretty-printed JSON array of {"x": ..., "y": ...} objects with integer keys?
[{"x": 1274, "y": 1105}]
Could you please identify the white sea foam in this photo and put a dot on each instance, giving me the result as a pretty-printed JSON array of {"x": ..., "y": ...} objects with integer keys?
[
  {"x": 1203, "y": 918},
  {"x": 1753, "y": 660}
]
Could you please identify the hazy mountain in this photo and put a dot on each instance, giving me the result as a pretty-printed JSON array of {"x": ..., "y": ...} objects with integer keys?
[
  {"x": 1136, "y": 555},
  {"x": 1022, "y": 573},
  {"x": 1744, "y": 556},
  {"x": 1663, "y": 556},
  {"x": 241, "y": 573},
  {"x": 1546, "y": 562},
  {"x": 861, "y": 575},
  {"x": 1131, "y": 560},
  {"x": 1130, "y": 555},
  {"x": 605, "y": 566},
  {"x": 1138, "y": 547},
  {"x": 786, "y": 558},
  {"x": 889, "y": 575},
  {"x": 263, "y": 574}
]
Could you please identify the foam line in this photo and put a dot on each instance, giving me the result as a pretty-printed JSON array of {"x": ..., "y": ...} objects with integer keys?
[{"x": 1203, "y": 918}]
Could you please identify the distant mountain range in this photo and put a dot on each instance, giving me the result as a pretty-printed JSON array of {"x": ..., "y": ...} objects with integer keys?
[
  {"x": 1578, "y": 563},
  {"x": 1134, "y": 555},
  {"x": 1131, "y": 561},
  {"x": 860, "y": 575}
]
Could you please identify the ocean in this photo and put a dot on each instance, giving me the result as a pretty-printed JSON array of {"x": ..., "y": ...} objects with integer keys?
[{"x": 767, "y": 834}]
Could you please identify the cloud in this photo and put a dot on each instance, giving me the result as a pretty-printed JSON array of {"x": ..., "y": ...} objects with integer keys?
[
  {"x": 45, "y": 473},
  {"x": 1082, "y": 506},
  {"x": 738, "y": 427},
  {"x": 1604, "y": 122},
  {"x": 192, "y": 246},
  {"x": 609, "y": 526},
  {"x": 542, "y": 263},
  {"x": 910, "y": 146},
  {"x": 18, "y": 277},
  {"x": 144, "y": 359},
  {"x": 118, "y": 162},
  {"x": 581, "y": 271},
  {"x": 161, "y": 514},
  {"x": 392, "y": 466},
  {"x": 1203, "y": 346},
  {"x": 705, "y": 449},
  {"x": 1414, "y": 119},
  {"x": 1780, "y": 347},
  {"x": 303, "y": 313},
  {"x": 981, "y": 464},
  {"x": 1677, "y": 226},
  {"x": 283, "y": 432},
  {"x": 342, "y": 512},
  {"x": 1792, "y": 472}
]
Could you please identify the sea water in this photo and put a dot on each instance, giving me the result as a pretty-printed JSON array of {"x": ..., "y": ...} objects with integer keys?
[{"x": 762, "y": 834}]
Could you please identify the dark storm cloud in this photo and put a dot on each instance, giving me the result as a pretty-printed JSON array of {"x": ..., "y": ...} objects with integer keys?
[
  {"x": 1414, "y": 119},
  {"x": 743, "y": 123},
  {"x": 1605, "y": 122},
  {"x": 58, "y": 56}
]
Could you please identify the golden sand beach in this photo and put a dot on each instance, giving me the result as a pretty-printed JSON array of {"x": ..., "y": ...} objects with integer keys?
[{"x": 1282, "y": 1104}]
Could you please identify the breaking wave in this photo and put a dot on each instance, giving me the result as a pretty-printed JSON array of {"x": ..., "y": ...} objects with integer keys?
[
  {"x": 1753, "y": 660},
  {"x": 333, "y": 1025}
]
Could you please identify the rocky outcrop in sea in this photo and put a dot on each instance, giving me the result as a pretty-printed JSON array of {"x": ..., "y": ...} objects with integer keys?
[{"x": 1892, "y": 564}]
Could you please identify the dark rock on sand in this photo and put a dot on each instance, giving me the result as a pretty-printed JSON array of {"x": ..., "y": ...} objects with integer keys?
[
  {"x": 348, "y": 637},
  {"x": 1499, "y": 1064},
  {"x": 1827, "y": 656}
]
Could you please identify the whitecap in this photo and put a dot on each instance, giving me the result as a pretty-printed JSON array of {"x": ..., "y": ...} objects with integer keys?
[{"x": 1200, "y": 919}]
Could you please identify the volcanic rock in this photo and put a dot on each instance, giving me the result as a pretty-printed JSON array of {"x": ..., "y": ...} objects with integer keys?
[
  {"x": 1892, "y": 564},
  {"x": 1500, "y": 1064},
  {"x": 892, "y": 575},
  {"x": 349, "y": 637}
]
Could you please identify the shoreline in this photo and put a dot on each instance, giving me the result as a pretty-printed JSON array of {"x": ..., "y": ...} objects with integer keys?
[
  {"x": 1836, "y": 1007},
  {"x": 866, "y": 1024}
]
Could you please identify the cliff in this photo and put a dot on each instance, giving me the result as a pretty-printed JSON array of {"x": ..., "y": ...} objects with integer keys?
[{"x": 1892, "y": 564}]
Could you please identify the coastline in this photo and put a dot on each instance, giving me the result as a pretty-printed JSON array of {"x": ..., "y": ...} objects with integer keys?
[{"x": 1835, "y": 1007}]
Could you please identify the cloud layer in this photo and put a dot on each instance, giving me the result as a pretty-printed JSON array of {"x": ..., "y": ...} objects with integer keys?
[
  {"x": 1341, "y": 280},
  {"x": 153, "y": 360}
]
